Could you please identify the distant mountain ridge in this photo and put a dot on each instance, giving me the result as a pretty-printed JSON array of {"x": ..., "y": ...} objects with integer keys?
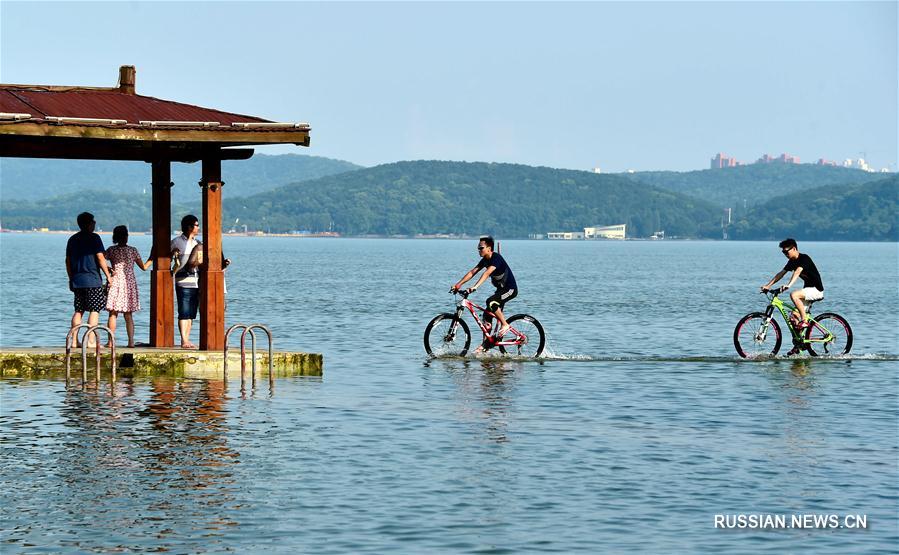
[
  {"x": 509, "y": 200},
  {"x": 36, "y": 179},
  {"x": 743, "y": 187},
  {"x": 863, "y": 212}
]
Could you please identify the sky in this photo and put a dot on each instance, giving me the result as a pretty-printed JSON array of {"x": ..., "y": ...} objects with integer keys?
[{"x": 615, "y": 85}]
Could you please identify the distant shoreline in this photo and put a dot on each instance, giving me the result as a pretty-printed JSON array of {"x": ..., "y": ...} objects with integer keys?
[{"x": 333, "y": 235}]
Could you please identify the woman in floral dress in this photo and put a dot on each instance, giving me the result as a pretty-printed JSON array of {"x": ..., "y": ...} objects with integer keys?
[{"x": 122, "y": 296}]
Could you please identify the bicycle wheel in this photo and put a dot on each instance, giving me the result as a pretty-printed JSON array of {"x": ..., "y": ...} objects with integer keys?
[
  {"x": 828, "y": 334},
  {"x": 534, "y": 339},
  {"x": 756, "y": 336},
  {"x": 447, "y": 335}
]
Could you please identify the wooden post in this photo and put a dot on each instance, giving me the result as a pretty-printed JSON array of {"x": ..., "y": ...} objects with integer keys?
[
  {"x": 162, "y": 315},
  {"x": 212, "y": 279}
]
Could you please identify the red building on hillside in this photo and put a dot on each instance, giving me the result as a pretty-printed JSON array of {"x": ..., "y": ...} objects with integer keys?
[{"x": 722, "y": 160}]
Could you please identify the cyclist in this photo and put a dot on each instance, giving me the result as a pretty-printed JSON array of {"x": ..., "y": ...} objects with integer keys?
[
  {"x": 802, "y": 266},
  {"x": 500, "y": 274}
]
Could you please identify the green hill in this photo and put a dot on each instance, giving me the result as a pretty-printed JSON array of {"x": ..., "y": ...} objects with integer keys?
[
  {"x": 508, "y": 200},
  {"x": 743, "y": 187},
  {"x": 428, "y": 197},
  {"x": 35, "y": 179},
  {"x": 109, "y": 209},
  {"x": 864, "y": 212}
]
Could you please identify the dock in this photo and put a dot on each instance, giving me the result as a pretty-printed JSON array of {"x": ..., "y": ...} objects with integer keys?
[{"x": 50, "y": 362}]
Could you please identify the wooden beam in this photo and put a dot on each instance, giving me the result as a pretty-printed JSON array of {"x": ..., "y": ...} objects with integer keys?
[
  {"x": 74, "y": 149},
  {"x": 212, "y": 279},
  {"x": 230, "y": 136},
  {"x": 162, "y": 311}
]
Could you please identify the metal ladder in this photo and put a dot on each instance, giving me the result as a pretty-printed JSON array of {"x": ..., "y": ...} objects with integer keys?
[
  {"x": 70, "y": 343},
  {"x": 248, "y": 328}
]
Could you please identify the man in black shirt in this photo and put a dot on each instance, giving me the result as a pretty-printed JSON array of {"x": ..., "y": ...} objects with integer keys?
[
  {"x": 85, "y": 265},
  {"x": 500, "y": 275},
  {"x": 802, "y": 266}
]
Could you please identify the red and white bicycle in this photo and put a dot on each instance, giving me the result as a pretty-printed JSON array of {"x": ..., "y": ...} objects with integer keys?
[{"x": 448, "y": 335}]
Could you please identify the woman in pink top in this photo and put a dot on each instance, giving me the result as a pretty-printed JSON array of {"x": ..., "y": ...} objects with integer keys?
[{"x": 122, "y": 296}]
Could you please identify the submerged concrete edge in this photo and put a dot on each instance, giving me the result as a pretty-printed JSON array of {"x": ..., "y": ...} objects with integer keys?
[{"x": 49, "y": 362}]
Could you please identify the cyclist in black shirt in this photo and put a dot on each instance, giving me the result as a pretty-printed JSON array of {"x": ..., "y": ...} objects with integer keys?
[
  {"x": 802, "y": 266},
  {"x": 500, "y": 275}
]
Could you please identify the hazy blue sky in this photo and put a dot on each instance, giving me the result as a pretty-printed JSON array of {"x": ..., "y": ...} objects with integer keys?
[{"x": 575, "y": 85}]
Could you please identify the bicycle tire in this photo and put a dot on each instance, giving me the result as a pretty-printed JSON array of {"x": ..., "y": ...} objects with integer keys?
[
  {"x": 837, "y": 326},
  {"x": 530, "y": 349},
  {"x": 746, "y": 336},
  {"x": 438, "y": 341}
]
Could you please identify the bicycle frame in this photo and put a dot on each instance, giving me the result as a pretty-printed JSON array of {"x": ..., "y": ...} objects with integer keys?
[
  {"x": 519, "y": 338},
  {"x": 785, "y": 309}
]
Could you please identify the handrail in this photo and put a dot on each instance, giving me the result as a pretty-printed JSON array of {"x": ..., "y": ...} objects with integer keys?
[
  {"x": 225, "y": 352},
  {"x": 111, "y": 349},
  {"x": 70, "y": 340},
  {"x": 271, "y": 367},
  {"x": 248, "y": 328}
]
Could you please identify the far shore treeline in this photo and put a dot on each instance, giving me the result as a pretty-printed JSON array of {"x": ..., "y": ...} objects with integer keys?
[{"x": 294, "y": 193}]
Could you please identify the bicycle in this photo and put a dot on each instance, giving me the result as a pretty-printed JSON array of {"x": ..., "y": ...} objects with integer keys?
[
  {"x": 448, "y": 335},
  {"x": 758, "y": 333}
]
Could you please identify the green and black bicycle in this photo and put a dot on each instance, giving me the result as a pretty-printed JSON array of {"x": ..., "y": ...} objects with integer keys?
[{"x": 758, "y": 333}]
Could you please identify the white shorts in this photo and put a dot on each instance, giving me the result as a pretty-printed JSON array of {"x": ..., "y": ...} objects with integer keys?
[{"x": 811, "y": 294}]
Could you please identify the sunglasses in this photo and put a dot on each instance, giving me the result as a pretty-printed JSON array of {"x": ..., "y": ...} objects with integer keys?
[
  {"x": 785, "y": 251},
  {"x": 481, "y": 248}
]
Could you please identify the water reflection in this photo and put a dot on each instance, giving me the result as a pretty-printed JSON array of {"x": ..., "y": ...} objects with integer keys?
[
  {"x": 799, "y": 444},
  {"x": 486, "y": 391},
  {"x": 169, "y": 448},
  {"x": 188, "y": 419}
]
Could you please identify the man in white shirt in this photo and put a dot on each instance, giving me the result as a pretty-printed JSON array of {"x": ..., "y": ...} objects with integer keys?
[{"x": 190, "y": 255}]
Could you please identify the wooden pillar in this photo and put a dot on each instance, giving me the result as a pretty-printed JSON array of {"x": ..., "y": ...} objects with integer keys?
[
  {"x": 212, "y": 279},
  {"x": 162, "y": 314}
]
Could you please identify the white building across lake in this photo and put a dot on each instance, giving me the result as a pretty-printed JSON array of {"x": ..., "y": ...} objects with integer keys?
[
  {"x": 606, "y": 232},
  {"x": 598, "y": 232},
  {"x": 565, "y": 235}
]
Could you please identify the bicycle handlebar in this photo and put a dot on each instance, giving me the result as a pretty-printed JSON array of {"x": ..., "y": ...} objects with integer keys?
[{"x": 773, "y": 292}]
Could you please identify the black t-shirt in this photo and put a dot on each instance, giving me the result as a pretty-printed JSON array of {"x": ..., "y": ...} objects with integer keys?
[
  {"x": 501, "y": 277},
  {"x": 82, "y": 250},
  {"x": 810, "y": 276}
]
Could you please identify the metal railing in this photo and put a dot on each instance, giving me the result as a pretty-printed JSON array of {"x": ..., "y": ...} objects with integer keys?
[
  {"x": 248, "y": 328},
  {"x": 71, "y": 343}
]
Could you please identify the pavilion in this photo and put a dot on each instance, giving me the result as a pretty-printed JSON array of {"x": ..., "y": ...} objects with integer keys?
[{"x": 116, "y": 123}]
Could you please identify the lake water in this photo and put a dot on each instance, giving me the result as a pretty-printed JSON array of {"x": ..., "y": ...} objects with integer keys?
[{"x": 636, "y": 430}]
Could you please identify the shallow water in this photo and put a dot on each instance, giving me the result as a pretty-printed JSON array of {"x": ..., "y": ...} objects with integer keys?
[{"x": 638, "y": 428}]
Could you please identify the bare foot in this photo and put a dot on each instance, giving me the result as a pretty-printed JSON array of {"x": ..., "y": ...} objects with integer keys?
[{"x": 188, "y": 346}]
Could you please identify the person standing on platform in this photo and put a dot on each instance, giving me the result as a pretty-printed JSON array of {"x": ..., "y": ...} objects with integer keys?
[
  {"x": 123, "y": 295},
  {"x": 85, "y": 260},
  {"x": 189, "y": 255}
]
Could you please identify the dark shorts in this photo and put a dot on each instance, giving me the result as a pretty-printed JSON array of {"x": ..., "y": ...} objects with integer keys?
[
  {"x": 499, "y": 300},
  {"x": 90, "y": 299},
  {"x": 188, "y": 302}
]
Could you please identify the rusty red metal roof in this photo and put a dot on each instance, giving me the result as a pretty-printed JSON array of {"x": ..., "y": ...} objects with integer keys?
[
  {"x": 115, "y": 123},
  {"x": 108, "y": 104},
  {"x": 11, "y": 104}
]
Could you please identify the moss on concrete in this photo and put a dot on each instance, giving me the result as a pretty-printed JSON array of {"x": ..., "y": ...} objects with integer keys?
[{"x": 37, "y": 362}]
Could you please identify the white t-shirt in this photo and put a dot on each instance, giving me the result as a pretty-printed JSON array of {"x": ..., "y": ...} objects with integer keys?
[{"x": 186, "y": 246}]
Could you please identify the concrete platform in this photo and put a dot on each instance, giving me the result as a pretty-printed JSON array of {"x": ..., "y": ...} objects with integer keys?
[{"x": 36, "y": 362}]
